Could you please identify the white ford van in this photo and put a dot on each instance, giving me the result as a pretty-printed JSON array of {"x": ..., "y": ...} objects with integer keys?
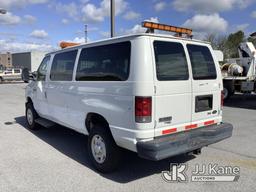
[{"x": 157, "y": 95}]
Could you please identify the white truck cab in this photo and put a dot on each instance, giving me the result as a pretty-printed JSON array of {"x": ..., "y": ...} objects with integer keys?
[{"x": 157, "y": 95}]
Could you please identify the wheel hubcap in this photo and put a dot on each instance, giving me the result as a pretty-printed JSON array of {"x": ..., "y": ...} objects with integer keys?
[
  {"x": 98, "y": 148},
  {"x": 30, "y": 116}
]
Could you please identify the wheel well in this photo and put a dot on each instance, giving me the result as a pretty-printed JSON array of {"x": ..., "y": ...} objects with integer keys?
[
  {"x": 229, "y": 84},
  {"x": 93, "y": 119},
  {"x": 29, "y": 100}
]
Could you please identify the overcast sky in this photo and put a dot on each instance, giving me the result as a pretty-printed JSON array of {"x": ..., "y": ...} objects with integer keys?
[{"x": 42, "y": 24}]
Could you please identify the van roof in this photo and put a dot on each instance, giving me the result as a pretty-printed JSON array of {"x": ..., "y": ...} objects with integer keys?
[{"x": 130, "y": 37}]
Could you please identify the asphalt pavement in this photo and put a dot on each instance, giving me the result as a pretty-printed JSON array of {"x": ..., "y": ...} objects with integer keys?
[{"x": 56, "y": 159}]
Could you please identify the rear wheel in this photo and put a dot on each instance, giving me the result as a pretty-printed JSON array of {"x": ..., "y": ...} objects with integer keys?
[
  {"x": 103, "y": 151},
  {"x": 228, "y": 89},
  {"x": 31, "y": 115},
  {"x": 226, "y": 93},
  {"x": 1, "y": 79}
]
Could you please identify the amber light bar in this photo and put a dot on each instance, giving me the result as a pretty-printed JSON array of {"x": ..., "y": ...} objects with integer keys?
[{"x": 179, "y": 30}]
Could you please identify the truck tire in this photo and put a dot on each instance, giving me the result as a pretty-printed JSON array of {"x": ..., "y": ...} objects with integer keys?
[
  {"x": 226, "y": 93},
  {"x": 31, "y": 115},
  {"x": 103, "y": 151},
  {"x": 228, "y": 89}
]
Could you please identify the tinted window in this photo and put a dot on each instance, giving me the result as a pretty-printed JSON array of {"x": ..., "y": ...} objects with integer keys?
[
  {"x": 41, "y": 72},
  {"x": 171, "y": 63},
  {"x": 63, "y": 66},
  {"x": 104, "y": 63},
  {"x": 203, "y": 66}
]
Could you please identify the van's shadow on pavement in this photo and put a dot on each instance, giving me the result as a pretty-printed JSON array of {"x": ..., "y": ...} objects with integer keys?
[
  {"x": 246, "y": 101},
  {"x": 74, "y": 145}
]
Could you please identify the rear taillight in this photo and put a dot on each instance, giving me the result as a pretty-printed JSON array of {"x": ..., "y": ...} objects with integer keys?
[
  {"x": 143, "y": 109},
  {"x": 222, "y": 99}
]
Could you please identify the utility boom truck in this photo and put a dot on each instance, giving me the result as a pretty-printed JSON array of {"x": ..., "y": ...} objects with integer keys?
[{"x": 239, "y": 74}]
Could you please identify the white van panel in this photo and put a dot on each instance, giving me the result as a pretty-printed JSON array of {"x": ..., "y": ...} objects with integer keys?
[
  {"x": 172, "y": 98},
  {"x": 69, "y": 102},
  {"x": 207, "y": 87}
]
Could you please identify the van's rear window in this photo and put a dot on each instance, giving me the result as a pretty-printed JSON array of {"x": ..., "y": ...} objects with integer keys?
[
  {"x": 203, "y": 66},
  {"x": 171, "y": 63}
]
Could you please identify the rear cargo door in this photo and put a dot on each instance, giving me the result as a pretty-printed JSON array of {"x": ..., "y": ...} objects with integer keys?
[
  {"x": 206, "y": 85},
  {"x": 172, "y": 87}
]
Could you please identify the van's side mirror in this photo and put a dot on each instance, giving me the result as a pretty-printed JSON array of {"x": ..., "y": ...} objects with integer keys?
[
  {"x": 28, "y": 76},
  {"x": 33, "y": 76}
]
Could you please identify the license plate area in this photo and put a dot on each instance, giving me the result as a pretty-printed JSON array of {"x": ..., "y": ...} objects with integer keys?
[{"x": 203, "y": 103}]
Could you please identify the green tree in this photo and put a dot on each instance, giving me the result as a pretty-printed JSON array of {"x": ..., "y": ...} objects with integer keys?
[{"x": 232, "y": 44}]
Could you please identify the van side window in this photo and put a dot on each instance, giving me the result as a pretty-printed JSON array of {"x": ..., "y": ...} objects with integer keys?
[
  {"x": 63, "y": 66},
  {"x": 171, "y": 63},
  {"x": 41, "y": 72},
  {"x": 104, "y": 63},
  {"x": 203, "y": 66}
]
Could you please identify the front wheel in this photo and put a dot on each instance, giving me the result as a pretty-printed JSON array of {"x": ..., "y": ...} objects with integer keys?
[
  {"x": 103, "y": 151},
  {"x": 31, "y": 115}
]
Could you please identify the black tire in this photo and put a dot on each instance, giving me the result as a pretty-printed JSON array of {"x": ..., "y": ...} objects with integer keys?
[
  {"x": 31, "y": 113},
  {"x": 113, "y": 152},
  {"x": 228, "y": 89},
  {"x": 1, "y": 80},
  {"x": 227, "y": 93}
]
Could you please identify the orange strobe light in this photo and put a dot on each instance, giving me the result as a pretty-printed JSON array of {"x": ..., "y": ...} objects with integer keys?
[
  {"x": 178, "y": 30},
  {"x": 64, "y": 44}
]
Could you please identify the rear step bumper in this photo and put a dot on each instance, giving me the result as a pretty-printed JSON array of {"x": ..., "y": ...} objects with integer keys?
[{"x": 179, "y": 143}]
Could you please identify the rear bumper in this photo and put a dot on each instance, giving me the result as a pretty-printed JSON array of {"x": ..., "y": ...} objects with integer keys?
[{"x": 183, "y": 142}]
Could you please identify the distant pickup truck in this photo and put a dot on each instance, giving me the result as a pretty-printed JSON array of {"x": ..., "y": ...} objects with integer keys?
[{"x": 10, "y": 75}]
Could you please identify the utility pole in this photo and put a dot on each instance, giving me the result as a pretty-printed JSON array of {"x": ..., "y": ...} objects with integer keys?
[
  {"x": 85, "y": 33},
  {"x": 112, "y": 13}
]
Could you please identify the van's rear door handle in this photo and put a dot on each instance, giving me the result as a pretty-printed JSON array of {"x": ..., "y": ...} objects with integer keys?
[{"x": 203, "y": 84}]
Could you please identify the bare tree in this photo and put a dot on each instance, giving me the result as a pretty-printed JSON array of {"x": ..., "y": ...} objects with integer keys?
[{"x": 218, "y": 42}]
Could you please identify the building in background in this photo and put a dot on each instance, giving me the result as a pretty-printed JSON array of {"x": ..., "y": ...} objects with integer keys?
[
  {"x": 28, "y": 60},
  {"x": 5, "y": 60}
]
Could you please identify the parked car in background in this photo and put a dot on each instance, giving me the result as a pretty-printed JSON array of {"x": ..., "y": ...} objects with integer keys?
[{"x": 10, "y": 75}]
